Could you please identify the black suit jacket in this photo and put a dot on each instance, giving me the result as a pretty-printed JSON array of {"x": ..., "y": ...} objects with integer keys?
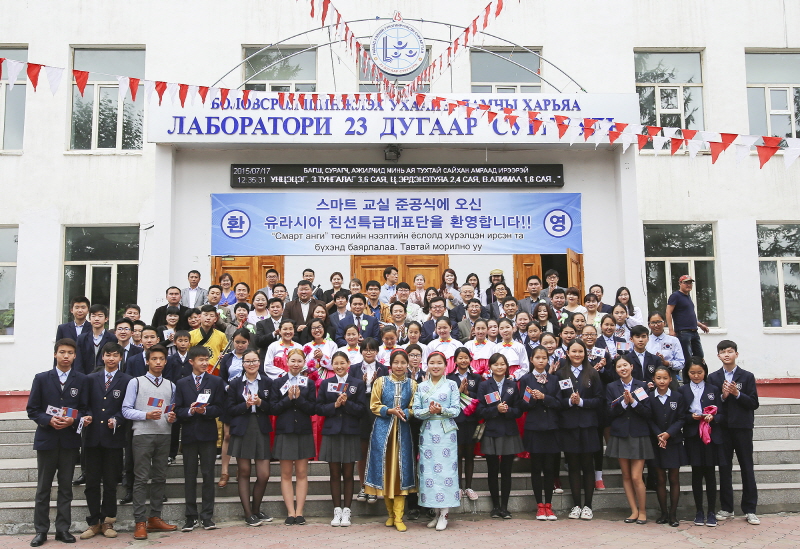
[
  {"x": 670, "y": 416},
  {"x": 458, "y": 313},
  {"x": 497, "y": 424},
  {"x": 199, "y": 427},
  {"x": 46, "y": 391},
  {"x": 357, "y": 372},
  {"x": 372, "y": 329},
  {"x": 160, "y": 317},
  {"x": 593, "y": 398},
  {"x": 265, "y": 335},
  {"x": 68, "y": 330},
  {"x": 712, "y": 396},
  {"x": 294, "y": 311},
  {"x": 103, "y": 405},
  {"x": 344, "y": 420},
  {"x": 632, "y": 421},
  {"x": 542, "y": 414},
  {"x": 739, "y": 412},
  {"x": 136, "y": 366},
  {"x": 429, "y": 331},
  {"x": 176, "y": 368},
  {"x": 643, "y": 372},
  {"x": 86, "y": 361},
  {"x": 132, "y": 352},
  {"x": 239, "y": 412},
  {"x": 473, "y": 382},
  {"x": 293, "y": 415}
]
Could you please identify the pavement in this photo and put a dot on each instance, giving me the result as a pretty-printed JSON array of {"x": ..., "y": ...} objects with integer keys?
[{"x": 780, "y": 531}]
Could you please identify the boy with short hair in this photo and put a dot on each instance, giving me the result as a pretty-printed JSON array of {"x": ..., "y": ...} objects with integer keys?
[
  {"x": 644, "y": 363},
  {"x": 123, "y": 330},
  {"x": 136, "y": 365},
  {"x": 177, "y": 368},
  {"x": 138, "y": 326},
  {"x": 206, "y": 335},
  {"x": 739, "y": 402},
  {"x": 133, "y": 311},
  {"x": 90, "y": 342},
  {"x": 79, "y": 308}
]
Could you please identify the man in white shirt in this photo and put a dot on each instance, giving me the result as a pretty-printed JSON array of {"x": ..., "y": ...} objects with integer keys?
[
  {"x": 193, "y": 296},
  {"x": 389, "y": 287}
]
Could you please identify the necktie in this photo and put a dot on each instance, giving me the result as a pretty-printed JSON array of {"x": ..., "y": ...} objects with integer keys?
[
  {"x": 197, "y": 382},
  {"x": 358, "y": 324},
  {"x": 109, "y": 377},
  {"x": 158, "y": 382}
]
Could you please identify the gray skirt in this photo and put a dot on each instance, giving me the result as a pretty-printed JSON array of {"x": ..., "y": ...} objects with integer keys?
[
  {"x": 501, "y": 446},
  {"x": 253, "y": 445},
  {"x": 340, "y": 448},
  {"x": 294, "y": 447},
  {"x": 629, "y": 448}
]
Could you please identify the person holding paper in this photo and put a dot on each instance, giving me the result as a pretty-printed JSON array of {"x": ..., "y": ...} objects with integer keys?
[
  {"x": 57, "y": 401},
  {"x": 341, "y": 402},
  {"x": 630, "y": 412}
]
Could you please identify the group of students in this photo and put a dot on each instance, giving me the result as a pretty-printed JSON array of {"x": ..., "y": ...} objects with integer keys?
[{"x": 408, "y": 416}]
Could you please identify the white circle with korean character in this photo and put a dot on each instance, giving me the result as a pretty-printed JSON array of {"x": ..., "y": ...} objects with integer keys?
[
  {"x": 235, "y": 224},
  {"x": 557, "y": 223},
  {"x": 397, "y": 49}
]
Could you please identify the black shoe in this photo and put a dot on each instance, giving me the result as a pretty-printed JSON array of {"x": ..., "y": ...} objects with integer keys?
[
  {"x": 209, "y": 524},
  {"x": 253, "y": 520},
  {"x": 263, "y": 517},
  {"x": 191, "y": 524},
  {"x": 629, "y": 521},
  {"x": 127, "y": 499},
  {"x": 431, "y": 512},
  {"x": 300, "y": 520},
  {"x": 170, "y": 461},
  {"x": 289, "y": 521},
  {"x": 413, "y": 514},
  {"x": 495, "y": 513},
  {"x": 673, "y": 521},
  {"x": 80, "y": 480},
  {"x": 663, "y": 519},
  {"x": 65, "y": 537},
  {"x": 38, "y": 539},
  {"x": 165, "y": 499},
  {"x": 505, "y": 514}
]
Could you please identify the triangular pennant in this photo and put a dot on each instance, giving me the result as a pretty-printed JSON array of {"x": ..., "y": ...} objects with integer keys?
[
  {"x": 492, "y": 115},
  {"x": 772, "y": 141},
  {"x": 589, "y": 122},
  {"x": 634, "y": 128},
  {"x": 675, "y": 145},
  {"x": 33, "y": 74},
  {"x": 81, "y": 77},
  {"x": 562, "y": 129},
  {"x": 14, "y": 67},
  {"x": 160, "y": 87},
  {"x": 451, "y": 107},
  {"x": 710, "y": 136},
  {"x": 790, "y": 155},
  {"x": 344, "y": 99},
  {"x": 716, "y": 148},
  {"x": 727, "y": 139},
  {"x": 202, "y": 91},
  {"x": 643, "y": 139},
  {"x": 619, "y": 127},
  {"x": 315, "y": 98},
  {"x": 613, "y": 136},
  {"x": 574, "y": 133},
  {"x": 420, "y": 99},
  {"x": 688, "y": 134},
  {"x": 587, "y": 132},
  {"x": 653, "y": 130},
  {"x": 627, "y": 141},
  {"x": 172, "y": 89},
  {"x": 54, "y": 75},
  {"x": 742, "y": 152},
  {"x": 694, "y": 147},
  {"x": 183, "y": 91},
  {"x": 223, "y": 97},
  {"x": 537, "y": 124},
  {"x": 470, "y": 110},
  {"x": 601, "y": 131},
  {"x": 192, "y": 93},
  {"x": 122, "y": 88},
  {"x": 134, "y": 85},
  {"x": 561, "y": 119},
  {"x": 765, "y": 153},
  {"x": 658, "y": 143},
  {"x": 149, "y": 86},
  {"x": 325, "y": 5},
  {"x": 669, "y": 132}
]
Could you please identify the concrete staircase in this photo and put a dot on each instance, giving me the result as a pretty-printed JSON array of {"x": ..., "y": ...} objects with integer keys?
[{"x": 777, "y": 459}]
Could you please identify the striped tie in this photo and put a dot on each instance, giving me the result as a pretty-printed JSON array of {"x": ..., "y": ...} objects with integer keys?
[
  {"x": 197, "y": 382},
  {"x": 109, "y": 377}
]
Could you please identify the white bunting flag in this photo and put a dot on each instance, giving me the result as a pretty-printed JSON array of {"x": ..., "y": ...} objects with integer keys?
[
  {"x": 149, "y": 88},
  {"x": 192, "y": 93},
  {"x": 694, "y": 147},
  {"x": 658, "y": 143},
  {"x": 13, "y": 71},
  {"x": 54, "y": 75},
  {"x": 743, "y": 146},
  {"x": 124, "y": 83}
]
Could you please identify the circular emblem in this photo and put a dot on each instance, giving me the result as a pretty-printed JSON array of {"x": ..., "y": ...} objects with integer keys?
[
  {"x": 435, "y": 439},
  {"x": 448, "y": 481},
  {"x": 428, "y": 454},
  {"x": 397, "y": 49},
  {"x": 557, "y": 223},
  {"x": 429, "y": 482},
  {"x": 235, "y": 224},
  {"x": 453, "y": 437},
  {"x": 437, "y": 468},
  {"x": 446, "y": 452},
  {"x": 440, "y": 497}
]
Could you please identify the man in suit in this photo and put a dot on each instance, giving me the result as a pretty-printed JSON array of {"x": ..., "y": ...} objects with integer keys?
[
  {"x": 597, "y": 290},
  {"x": 199, "y": 400},
  {"x": 309, "y": 275},
  {"x": 339, "y": 314},
  {"x": 438, "y": 310},
  {"x": 739, "y": 402},
  {"x": 399, "y": 319},
  {"x": 459, "y": 312},
  {"x": 173, "y": 300},
  {"x": 193, "y": 296},
  {"x": 79, "y": 308},
  {"x": 534, "y": 287},
  {"x": 104, "y": 443},
  {"x": 558, "y": 298},
  {"x": 301, "y": 310},
  {"x": 91, "y": 341},
  {"x": 368, "y": 326},
  {"x": 473, "y": 313},
  {"x": 123, "y": 331},
  {"x": 273, "y": 277},
  {"x": 267, "y": 329},
  {"x": 57, "y": 402}
]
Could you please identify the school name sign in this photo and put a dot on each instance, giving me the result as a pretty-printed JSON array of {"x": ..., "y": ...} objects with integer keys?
[{"x": 365, "y": 223}]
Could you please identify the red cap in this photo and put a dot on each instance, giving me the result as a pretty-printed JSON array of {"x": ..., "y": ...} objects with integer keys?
[{"x": 685, "y": 278}]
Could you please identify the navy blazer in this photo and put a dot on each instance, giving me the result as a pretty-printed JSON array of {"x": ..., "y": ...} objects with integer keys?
[
  {"x": 225, "y": 364},
  {"x": 739, "y": 412},
  {"x": 344, "y": 420},
  {"x": 429, "y": 330},
  {"x": 68, "y": 330},
  {"x": 175, "y": 368},
  {"x": 542, "y": 414},
  {"x": 133, "y": 350},
  {"x": 601, "y": 342},
  {"x": 572, "y": 417},
  {"x": 458, "y": 313},
  {"x": 372, "y": 329},
  {"x": 86, "y": 361},
  {"x": 497, "y": 424},
  {"x": 103, "y": 405},
  {"x": 630, "y": 421},
  {"x": 668, "y": 417},
  {"x": 46, "y": 391},
  {"x": 711, "y": 396},
  {"x": 607, "y": 374},
  {"x": 643, "y": 372},
  {"x": 473, "y": 381},
  {"x": 357, "y": 372},
  {"x": 239, "y": 412},
  {"x": 199, "y": 427},
  {"x": 136, "y": 366},
  {"x": 293, "y": 415}
]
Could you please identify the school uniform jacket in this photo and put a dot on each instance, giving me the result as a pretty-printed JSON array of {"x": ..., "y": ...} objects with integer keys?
[
  {"x": 238, "y": 410},
  {"x": 133, "y": 350},
  {"x": 607, "y": 374},
  {"x": 46, "y": 391},
  {"x": 86, "y": 361},
  {"x": 265, "y": 335},
  {"x": 293, "y": 415},
  {"x": 68, "y": 330},
  {"x": 160, "y": 317},
  {"x": 103, "y": 405},
  {"x": 573, "y": 417},
  {"x": 429, "y": 331},
  {"x": 668, "y": 417},
  {"x": 601, "y": 342},
  {"x": 473, "y": 381},
  {"x": 344, "y": 420},
  {"x": 176, "y": 368},
  {"x": 542, "y": 414},
  {"x": 630, "y": 421},
  {"x": 712, "y": 396},
  {"x": 497, "y": 424},
  {"x": 225, "y": 364},
  {"x": 357, "y": 372},
  {"x": 136, "y": 366},
  {"x": 739, "y": 412},
  {"x": 372, "y": 329},
  {"x": 643, "y": 372},
  {"x": 199, "y": 427}
]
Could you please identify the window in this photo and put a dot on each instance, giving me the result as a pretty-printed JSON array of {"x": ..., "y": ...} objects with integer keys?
[
  {"x": 98, "y": 121},
  {"x": 12, "y": 102},
  {"x": 773, "y": 93},
  {"x": 504, "y": 72},
  {"x": 8, "y": 277},
  {"x": 101, "y": 263},
  {"x": 367, "y": 85},
  {"x": 672, "y": 251},
  {"x": 670, "y": 90},
  {"x": 779, "y": 265},
  {"x": 281, "y": 70}
]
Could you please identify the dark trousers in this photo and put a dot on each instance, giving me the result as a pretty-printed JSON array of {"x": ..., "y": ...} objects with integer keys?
[
  {"x": 206, "y": 454},
  {"x": 412, "y": 500},
  {"x": 48, "y": 462},
  {"x": 103, "y": 465},
  {"x": 175, "y": 440},
  {"x": 127, "y": 471},
  {"x": 741, "y": 442},
  {"x": 690, "y": 344}
]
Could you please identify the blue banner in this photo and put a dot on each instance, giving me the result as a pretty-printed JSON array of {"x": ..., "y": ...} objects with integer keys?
[{"x": 411, "y": 222}]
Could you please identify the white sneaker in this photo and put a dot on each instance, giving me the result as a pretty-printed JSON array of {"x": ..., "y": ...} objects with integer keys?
[
  {"x": 724, "y": 515},
  {"x": 753, "y": 519},
  {"x": 434, "y": 520},
  {"x": 587, "y": 514},
  {"x": 337, "y": 516},
  {"x": 442, "y": 523},
  {"x": 471, "y": 494},
  {"x": 345, "y": 517},
  {"x": 575, "y": 513}
]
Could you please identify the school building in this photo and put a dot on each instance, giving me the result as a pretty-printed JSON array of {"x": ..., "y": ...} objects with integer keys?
[{"x": 117, "y": 199}]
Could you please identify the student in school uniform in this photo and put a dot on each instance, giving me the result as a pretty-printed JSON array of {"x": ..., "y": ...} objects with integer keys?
[
  {"x": 199, "y": 401},
  {"x": 105, "y": 440},
  {"x": 352, "y": 349},
  {"x": 123, "y": 331},
  {"x": 609, "y": 340},
  {"x": 293, "y": 402},
  {"x": 498, "y": 405},
  {"x": 540, "y": 399},
  {"x": 467, "y": 383},
  {"x": 56, "y": 441},
  {"x": 620, "y": 315},
  {"x": 739, "y": 400},
  {"x": 666, "y": 347},
  {"x": 600, "y": 360},
  {"x": 248, "y": 407},
  {"x": 79, "y": 309},
  {"x": 90, "y": 342},
  {"x": 700, "y": 394},
  {"x": 642, "y": 361},
  {"x": 444, "y": 343},
  {"x": 341, "y": 400},
  {"x": 521, "y": 322},
  {"x": 514, "y": 351},
  {"x": 630, "y": 413},
  {"x": 136, "y": 365},
  {"x": 177, "y": 368},
  {"x": 666, "y": 425},
  {"x": 581, "y": 396}
]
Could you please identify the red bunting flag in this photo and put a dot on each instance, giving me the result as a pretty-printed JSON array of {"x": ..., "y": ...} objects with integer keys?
[
  {"x": 245, "y": 97},
  {"x": 486, "y": 12},
  {"x": 587, "y": 132},
  {"x": 1, "y": 67},
  {"x": 537, "y": 124},
  {"x": 492, "y": 115},
  {"x": 451, "y": 107},
  {"x": 315, "y": 98},
  {"x": 716, "y": 148},
  {"x": 532, "y": 116},
  {"x": 510, "y": 117},
  {"x": 133, "y": 84},
  {"x": 688, "y": 134},
  {"x": 344, "y": 100},
  {"x": 161, "y": 87},
  {"x": 437, "y": 102},
  {"x": 643, "y": 139},
  {"x": 484, "y": 107},
  {"x": 613, "y": 136},
  {"x": 223, "y": 97},
  {"x": 81, "y": 77},
  {"x": 203, "y": 92},
  {"x": 325, "y": 4},
  {"x": 676, "y": 144},
  {"x": 183, "y": 89},
  {"x": 588, "y": 122},
  {"x": 312, "y": 9},
  {"x": 470, "y": 110},
  {"x": 772, "y": 141},
  {"x": 331, "y": 98},
  {"x": 561, "y": 119},
  {"x": 653, "y": 130},
  {"x": 499, "y": 8},
  {"x": 291, "y": 100},
  {"x": 420, "y": 99},
  {"x": 620, "y": 127},
  {"x": 765, "y": 153},
  {"x": 33, "y": 74},
  {"x": 562, "y": 129},
  {"x": 356, "y": 95},
  {"x": 727, "y": 139}
]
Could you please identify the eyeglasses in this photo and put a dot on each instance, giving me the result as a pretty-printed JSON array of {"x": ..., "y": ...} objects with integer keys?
[
  {"x": 119, "y": 329},
  {"x": 415, "y": 355},
  {"x": 317, "y": 328},
  {"x": 250, "y": 361},
  {"x": 656, "y": 322}
]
